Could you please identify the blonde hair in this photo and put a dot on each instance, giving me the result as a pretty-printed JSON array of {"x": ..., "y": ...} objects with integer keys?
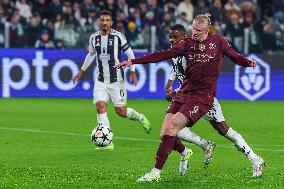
[{"x": 202, "y": 18}]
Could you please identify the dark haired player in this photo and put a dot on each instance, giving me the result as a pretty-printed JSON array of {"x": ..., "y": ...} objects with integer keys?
[{"x": 106, "y": 45}]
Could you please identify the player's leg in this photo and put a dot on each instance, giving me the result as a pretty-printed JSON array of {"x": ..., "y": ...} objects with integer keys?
[
  {"x": 132, "y": 114},
  {"x": 178, "y": 146},
  {"x": 118, "y": 96},
  {"x": 101, "y": 98},
  {"x": 217, "y": 120},
  {"x": 172, "y": 123},
  {"x": 240, "y": 143},
  {"x": 234, "y": 137},
  {"x": 207, "y": 146},
  {"x": 187, "y": 135}
]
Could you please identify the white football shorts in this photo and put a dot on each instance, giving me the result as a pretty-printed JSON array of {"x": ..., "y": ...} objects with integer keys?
[
  {"x": 115, "y": 91},
  {"x": 215, "y": 113}
]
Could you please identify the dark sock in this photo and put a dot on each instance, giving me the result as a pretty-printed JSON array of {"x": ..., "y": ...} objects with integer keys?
[
  {"x": 178, "y": 146},
  {"x": 164, "y": 150}
]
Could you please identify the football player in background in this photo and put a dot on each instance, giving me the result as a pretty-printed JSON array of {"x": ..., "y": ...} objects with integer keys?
[{"x": 106, "y": 46}]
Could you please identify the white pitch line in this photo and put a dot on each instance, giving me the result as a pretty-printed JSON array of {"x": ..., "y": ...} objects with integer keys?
[
  {"x": 121, "y": 138},
  {"x": 73, "y": 134}
]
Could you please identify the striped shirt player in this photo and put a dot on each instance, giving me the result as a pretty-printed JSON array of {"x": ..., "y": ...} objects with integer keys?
[
  {"x": 179, "y": 65},
  {"x": 107, "y": 46},
  {"x": 107, "y": 50}
]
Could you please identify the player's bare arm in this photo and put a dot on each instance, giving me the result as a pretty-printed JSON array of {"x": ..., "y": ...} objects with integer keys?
[
  {"x": 124, "y": 64},
  {"x": 78, "y": 76},
  {"x": 168, "y": 87},
  {"x": 155, "y": 57},
  {"x": 252, "y": 63},
  {"x": 133, "y": 77}
]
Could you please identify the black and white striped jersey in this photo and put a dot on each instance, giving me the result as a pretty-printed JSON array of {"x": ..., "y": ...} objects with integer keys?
[
  {"x": 179, "y": 65},
  {"x": 108, "y": 51}
]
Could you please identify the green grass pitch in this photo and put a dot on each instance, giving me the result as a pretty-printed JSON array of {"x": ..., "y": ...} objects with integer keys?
[{"x": 45, "y": 143}]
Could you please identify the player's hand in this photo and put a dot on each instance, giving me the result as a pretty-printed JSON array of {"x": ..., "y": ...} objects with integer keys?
[
  {"x": 168, "y": 87},
  {"x": 133, "y": 77},
  {"x": 78, "y": 76},
  {"x": 252, "y": 63},
  {"x": 170, "y": 96},
  {"x": 124, "y": 64}
]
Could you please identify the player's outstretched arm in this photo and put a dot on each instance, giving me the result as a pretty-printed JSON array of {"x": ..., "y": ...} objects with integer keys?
[
  {"x": 123, "y": 64},
  {"x": 235, "y": 56},
  {"x": 177, "y": 50}
]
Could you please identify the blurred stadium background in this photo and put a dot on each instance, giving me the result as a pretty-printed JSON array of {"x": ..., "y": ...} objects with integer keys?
[
  {"x": 44, "y": 136},
  {"x": 44, "y": 43}
]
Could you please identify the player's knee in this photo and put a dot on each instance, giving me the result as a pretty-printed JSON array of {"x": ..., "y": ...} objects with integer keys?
[
  {"x": 101, "y": 107},
  {"x": 121, "y": 111},
  {"x": 221, "y": 127},
  {"x": 172, "y": 128}
]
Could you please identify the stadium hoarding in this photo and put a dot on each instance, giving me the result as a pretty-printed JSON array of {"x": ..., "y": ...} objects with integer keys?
[{"x": 48, "y": 73}]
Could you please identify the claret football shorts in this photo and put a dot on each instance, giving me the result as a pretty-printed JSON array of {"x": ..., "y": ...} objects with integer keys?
[{"x": 192, "y": 105}]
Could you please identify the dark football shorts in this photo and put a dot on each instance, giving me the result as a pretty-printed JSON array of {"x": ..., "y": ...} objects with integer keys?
[{"x": 192, "y": 105}]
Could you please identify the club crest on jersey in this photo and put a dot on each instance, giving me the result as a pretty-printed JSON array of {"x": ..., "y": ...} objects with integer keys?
[
  {"x": 97, "y": 43},
  {"x": 212, "y": 46},
  {"x": 201, "y": 47},
  {"x": 110, "y": 42}
]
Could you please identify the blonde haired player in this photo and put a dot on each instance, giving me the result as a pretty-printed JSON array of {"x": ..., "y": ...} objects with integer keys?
[
  {"x": 204, "y": 54},
  {"x": 214, "y": 116}
]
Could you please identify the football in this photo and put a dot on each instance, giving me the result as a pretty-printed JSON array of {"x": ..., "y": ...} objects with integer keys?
[{"x": 101, "y": 136}]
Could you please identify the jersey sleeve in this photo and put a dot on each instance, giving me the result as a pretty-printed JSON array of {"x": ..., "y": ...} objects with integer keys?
[
  {"x": 172, "y": 75},
  {"x": 91, "y": 55},
  {"x": 175, "y": 51},
  {"x": 229, "y": 51},
  {"x": 124, "y": 44},
  {"x": 92, "y": 42}
]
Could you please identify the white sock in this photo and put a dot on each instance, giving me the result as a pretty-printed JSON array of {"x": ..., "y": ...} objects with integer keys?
[
  {"x": 133, "y": 115},
  {"x": 103, "y": 120},
  {"x": 240, "y": 143},
  {"x": 155, "y": 171},
  {"x": 188, "y": 136},
  {"x": 184, "y": 153}
]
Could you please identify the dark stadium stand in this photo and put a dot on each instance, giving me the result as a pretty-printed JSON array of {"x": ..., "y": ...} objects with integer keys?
[{"x": 255, "y": 26}]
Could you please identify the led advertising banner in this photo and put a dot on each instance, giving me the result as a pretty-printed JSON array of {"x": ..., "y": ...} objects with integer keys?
[{"x": 48, "y": 73}]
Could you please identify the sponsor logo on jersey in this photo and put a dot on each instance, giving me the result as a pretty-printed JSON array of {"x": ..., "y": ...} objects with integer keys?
[
  {"x": 201, "y": 57},
  {"x": 104, "y": 57},
  {"x": 212, "y": 46}
]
